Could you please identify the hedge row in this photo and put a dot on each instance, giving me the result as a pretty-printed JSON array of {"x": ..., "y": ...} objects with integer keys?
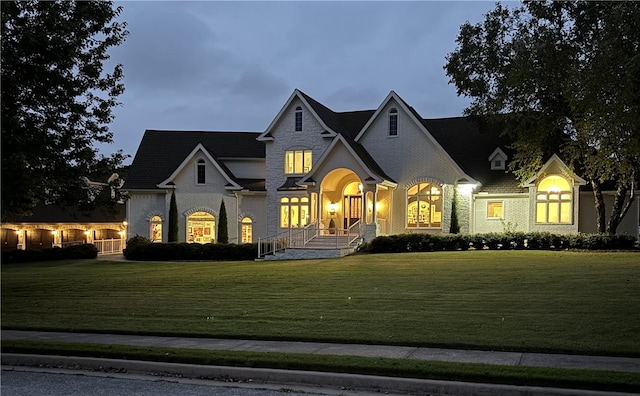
[
  {"x": 85, "y": 251},
  {"x": 494, "y": 241},
  {"x": 191, "y": 251}
]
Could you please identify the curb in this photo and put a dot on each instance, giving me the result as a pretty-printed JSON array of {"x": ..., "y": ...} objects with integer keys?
[{"x": 291, "y": 377}]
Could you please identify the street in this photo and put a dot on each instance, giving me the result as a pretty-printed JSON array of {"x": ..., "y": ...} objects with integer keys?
[{"x": 79, "y": 383}]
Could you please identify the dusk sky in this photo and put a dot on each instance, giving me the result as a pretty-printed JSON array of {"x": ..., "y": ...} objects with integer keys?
[{"x": 230, "y": 66}]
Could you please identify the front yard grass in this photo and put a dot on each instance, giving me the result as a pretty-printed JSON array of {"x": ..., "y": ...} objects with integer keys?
[{"x": 546, "y": 301}]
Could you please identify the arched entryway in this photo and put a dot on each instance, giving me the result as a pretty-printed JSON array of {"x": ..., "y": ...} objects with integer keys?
[{"x": 341, "y": 199}]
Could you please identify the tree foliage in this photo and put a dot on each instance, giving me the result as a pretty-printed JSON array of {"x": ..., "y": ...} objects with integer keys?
[
  {"x": 455, "y": 223},
  {"x": 173, "y": 218},
  {"x": 223, "y": 231},
  {"x": 562, "y": 77},
  {"x": 57, "y": 99}
]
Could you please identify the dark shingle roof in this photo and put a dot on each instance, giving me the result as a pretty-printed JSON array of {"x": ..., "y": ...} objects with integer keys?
[
  {"x": 348, "y": 124},
  {"x": 161, "y": 152},
  {"x": 470, "y": 146}
]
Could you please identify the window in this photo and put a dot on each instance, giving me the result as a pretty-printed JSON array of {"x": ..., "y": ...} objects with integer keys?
[
  {"x": 155, "y": 232},
  {"x": 497, "y": 164},
  {"x": 294, "y": 212},
  {"x": 246, "y": 231},
  {"x": 393, "y": 122},
  {"x": 553, "y": 201},
  {"x": 200, "y": 172},
  {"x": 424, "y": 206},
  {"x": 298, "y": 119},
  {"x": 495, "y": 209},
  {"x": 201, "y": 227},
  {"x": 297, "y": 161}
]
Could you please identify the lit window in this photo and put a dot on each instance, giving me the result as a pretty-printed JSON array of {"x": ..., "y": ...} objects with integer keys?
[
  {"x": 553, "y": 201},
  {"x": 393, "y": 122},
  {"x": 247, "y": 230},
  {"x": 200, "y": 172},
  {"x": 201, "y": 227},
  {"x": 298, "y": 119},
  {"x": 294, "y": 212},
  {"x": 155, "y": 232},
  {"x": 424, "y": 206},
  {"x": 495, "y": 209},
  {"x": 297, "y": 161}
]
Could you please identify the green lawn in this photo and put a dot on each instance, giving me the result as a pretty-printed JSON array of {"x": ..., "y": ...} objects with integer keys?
[{"x": 512, "y": 300}]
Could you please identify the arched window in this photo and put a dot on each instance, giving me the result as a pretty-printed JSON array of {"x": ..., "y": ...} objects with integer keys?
[
  {"x": 247, "y": 230},
  {"x": 200, "y": 172},
  {"x": 393, "y": 122},
  {"x": 424, "y": 206},
  {"x": 201, "y": 227},
  {"x": 553, "y": 201},
  {"x": 298, "y": 119},
  {"x": 155, "y": 232}
]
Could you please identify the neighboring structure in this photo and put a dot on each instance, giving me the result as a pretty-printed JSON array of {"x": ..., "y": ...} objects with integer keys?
[
  {"x": 56, "y": 226},
  {"x": 373, "y": 172}
]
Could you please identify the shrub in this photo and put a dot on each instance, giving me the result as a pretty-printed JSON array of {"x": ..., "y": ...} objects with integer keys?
[
  {"x": 192, "y": 251},
  {"x": 493, "y": 241},
  {"x": 85, "y": 251}
]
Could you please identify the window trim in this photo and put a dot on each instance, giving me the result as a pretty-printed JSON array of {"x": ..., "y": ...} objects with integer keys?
[
  {"x": 430, "y": 202},
  {"x": 393, "y": 122},
  {"x": 494, "y": 201},
  {"x": 548, "y": 200},
  {"x": 201, "y": 166},
  {"x": 299, "y": 203},
  {"x": 305, "y": 152},
  {"x": 298, "y": 119}
]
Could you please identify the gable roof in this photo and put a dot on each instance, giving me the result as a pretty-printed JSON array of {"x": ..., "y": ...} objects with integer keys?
[
  {"x": 161, "y": 152},
  {"x": 470, "y": 146}
]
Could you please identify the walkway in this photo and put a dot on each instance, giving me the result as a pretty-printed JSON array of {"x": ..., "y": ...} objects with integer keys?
[{"x": 399, "y": 352}]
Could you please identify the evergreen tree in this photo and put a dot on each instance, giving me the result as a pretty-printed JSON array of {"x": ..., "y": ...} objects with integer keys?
[
  {"x": 455, "y": 224},
  {"x": 223, "y": 232},
  {"x": 173, "y": 219}
]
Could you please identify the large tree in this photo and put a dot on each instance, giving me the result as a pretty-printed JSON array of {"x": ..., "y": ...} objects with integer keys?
[
  {"x": 561, "y": 77},
  {"x": 57, "y": 99}
]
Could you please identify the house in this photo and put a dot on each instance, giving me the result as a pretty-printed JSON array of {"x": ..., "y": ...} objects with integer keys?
[
  {"x": 52, "y": 225},
  {"x": 373, "y": 172}
]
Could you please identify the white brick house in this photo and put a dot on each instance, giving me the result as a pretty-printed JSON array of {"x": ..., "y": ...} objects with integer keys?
[{"x": 373, "y": 172}]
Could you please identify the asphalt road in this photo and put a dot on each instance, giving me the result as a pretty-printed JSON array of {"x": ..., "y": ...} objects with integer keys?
[{"x": 22, "y": 383}]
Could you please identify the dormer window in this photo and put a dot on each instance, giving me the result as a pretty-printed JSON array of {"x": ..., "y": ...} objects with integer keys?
[
  {"x": 393, "y": 122},
  {"x": 298, "y": 119},
  {"x": 200, "y": 172},
  {"x": 498, "y": 159}
]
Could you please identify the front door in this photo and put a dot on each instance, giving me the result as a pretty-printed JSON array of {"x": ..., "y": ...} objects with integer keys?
[{"x": 352, "y": 209}]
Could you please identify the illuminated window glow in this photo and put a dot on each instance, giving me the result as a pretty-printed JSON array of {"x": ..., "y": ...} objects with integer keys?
[
  {"x": 294, "y": 212},
  {"x": 201, "y": 228},
  {"x": 155, "y": 232},
  {"x": 554, "y": 201},
  {"x": 297, "y": 161},
  {"x": 424, "y": 206},
  {"x": 495, "y": 209},
  {"x": 247, "y": 230}
]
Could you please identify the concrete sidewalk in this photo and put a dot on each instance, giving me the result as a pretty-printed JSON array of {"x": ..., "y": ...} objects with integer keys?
[{"x": 584, "y": 362}]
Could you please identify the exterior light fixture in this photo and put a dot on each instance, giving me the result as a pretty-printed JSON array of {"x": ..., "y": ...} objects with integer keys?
[{"x": 333, "y": 207}]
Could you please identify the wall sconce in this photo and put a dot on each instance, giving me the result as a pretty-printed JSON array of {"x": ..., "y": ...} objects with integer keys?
[
  {"x": 360, "y": 188},
  {"x": 125, "y": 223},
  {"x": 121, "y": 233},
  {"x": 87, "y": 233},
  {"x": 333, "y": 207}
]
